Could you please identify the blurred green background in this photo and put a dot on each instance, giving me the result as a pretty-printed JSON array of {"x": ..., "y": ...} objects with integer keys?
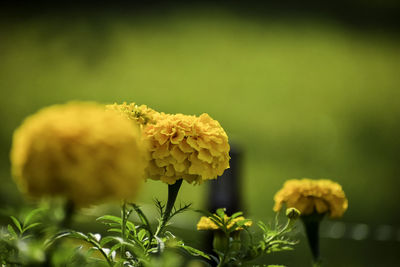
[{"x": 304, "y": 94}]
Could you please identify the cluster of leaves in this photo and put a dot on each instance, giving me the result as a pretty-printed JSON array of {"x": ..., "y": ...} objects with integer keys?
[
  {"x": 28, "y": 242},
  {"x": 17, "y": 245},
  {"x": 24, "y": 242},
  {"x": 130, "y": 244},
  {"x": 234, "y": 248}
]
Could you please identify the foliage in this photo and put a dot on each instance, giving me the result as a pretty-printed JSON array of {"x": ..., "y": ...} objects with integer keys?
[
  {"x": 232, "y": 248},
  {"x": 28, "y": 242},
  {"x": 130, "y": 244}
]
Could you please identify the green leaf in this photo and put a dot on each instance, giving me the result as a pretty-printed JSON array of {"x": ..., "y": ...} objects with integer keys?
[
  {"x": 115, "y": 247},
  {"x": 73, "y": 234},
  {"x": 160, "y": 207},
  {"x": 141, "y": 234},
  {"x": 143, "y": 218},
  {"x": 79, "y": 235},
  {"x": 106, "y": 239},
  {"x": 195, "y": 252},
  {"x": 26, "y": 237},
  {"x": 12, "y": 231},
  {"x": 30, "y": 226},
  {"x": 31, "y": 214},
  {"x": 17, "y": 223},
  {"x": 181, "y": 209},
  {"x": 236, "y": 214},
  {"x": 110, "y": 218},
  {"x": 116, "y": 230},
  {"x": 221, "y": 213},
  {"x": 131, "y": 227},
  {"x": 218, "y": 221}
]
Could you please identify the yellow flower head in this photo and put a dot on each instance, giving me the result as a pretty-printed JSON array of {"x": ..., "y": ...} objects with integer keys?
[
  {"x": 308, "y": 196},
  {"x": 206, "y": 223},
  {"x": 188, "y": 147},
  {"x": 79, "y": 151},
  {"x": 140, "y": 114}
]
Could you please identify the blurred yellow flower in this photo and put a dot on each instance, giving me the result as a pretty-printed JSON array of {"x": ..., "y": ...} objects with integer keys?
[
  {"x": 79, "y": 151},
  {"x": 306, "y": 195},
  {"x": 140, "y": 114},
  {"x": 206, "y": 223},
  {"x": 188, "y": 147}
]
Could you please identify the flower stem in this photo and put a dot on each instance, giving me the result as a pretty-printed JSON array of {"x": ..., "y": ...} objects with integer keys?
[
  {"x": 65, "y": 223},
  {"x": 173, "y": 190},
  {"x": 69, "y": 209},
  {"x": 311, "y": 225},
  {"x": 123, "y": 227}
]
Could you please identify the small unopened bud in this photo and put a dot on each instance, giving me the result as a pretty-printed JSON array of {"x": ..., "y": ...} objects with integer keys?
[{"x": 292, "y": 213}]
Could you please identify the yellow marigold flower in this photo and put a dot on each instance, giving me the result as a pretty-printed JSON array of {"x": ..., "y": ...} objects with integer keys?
[
  {"x": 206, "y": 223},
  {"x": 306, "y": 195},
  {"x": 188, "y": 147},
  {"x": 140, "y": 114},
  {"x": 79, "y": 151}
]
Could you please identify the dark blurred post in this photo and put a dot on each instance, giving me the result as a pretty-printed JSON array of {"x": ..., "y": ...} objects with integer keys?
[{"x": 225, "y": 192}]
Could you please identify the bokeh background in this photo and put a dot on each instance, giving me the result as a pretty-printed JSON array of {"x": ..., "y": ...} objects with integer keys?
[{"x": 303, "y": 89}]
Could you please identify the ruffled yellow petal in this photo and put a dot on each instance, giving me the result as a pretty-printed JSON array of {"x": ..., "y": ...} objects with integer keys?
[
  {"x": 308, "y": 196},
  {"x": 205, "y": 223},
  {"x": 79, "y": 151},
  {"x": 187, "y": 147}
]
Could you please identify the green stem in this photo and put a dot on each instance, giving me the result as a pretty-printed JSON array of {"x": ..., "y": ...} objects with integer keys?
[
  {"x": 65, "y": 223},
  {"x": 123, "y": 227},
  {"x": 173, "y": 190},
  {"x": 223, "y": 243},
  {"x": 311, "y": 224},
  {"x": 69, "y": 209}
]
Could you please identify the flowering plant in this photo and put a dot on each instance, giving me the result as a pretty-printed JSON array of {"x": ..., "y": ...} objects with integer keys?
[{"x": 87, "y": 153}]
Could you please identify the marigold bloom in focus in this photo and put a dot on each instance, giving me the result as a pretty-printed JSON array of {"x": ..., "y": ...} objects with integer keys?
[
  {"x": 79, "y": 151},
  {"x": 306, "y": 195},
  {"x": 140, "y": 114},
  {"x": 188, "y": 147},
  {"x": 206, "y": 223}
]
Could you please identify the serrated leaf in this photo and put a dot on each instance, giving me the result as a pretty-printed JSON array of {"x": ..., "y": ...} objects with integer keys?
[
  {"x": 142, "y": 216},
  {"x": 31, "y": 214},
  {"x": 17, "y": 223},
  {"x": 143, "y": 219},
  {"x": 195, "y": 252},
  {"x": 110, "y": 218}
]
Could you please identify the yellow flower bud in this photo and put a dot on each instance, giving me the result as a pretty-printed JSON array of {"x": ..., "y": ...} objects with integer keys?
[{"x": 293, "y": 213}]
